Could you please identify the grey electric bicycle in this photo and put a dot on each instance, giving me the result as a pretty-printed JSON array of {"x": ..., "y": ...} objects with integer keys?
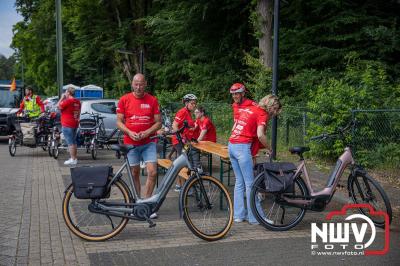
[{"x": 204, "y": 203}]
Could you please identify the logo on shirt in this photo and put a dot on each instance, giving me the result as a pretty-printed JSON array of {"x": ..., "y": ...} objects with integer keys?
[{"x": 145, "y": 106}]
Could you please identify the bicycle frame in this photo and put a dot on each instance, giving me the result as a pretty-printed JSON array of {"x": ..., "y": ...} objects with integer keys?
[
  {"x": 155, "y": 201},
  {"x": 326, "y": 193}
]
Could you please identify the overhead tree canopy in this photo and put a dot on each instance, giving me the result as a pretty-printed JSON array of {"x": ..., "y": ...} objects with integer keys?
[{"x": 204, "y": 46}]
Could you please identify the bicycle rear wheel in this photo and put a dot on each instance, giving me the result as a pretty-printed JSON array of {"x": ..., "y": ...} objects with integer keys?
[
  {"x": 365, "y": 189},
  {"x": 210, "y": 222},
  {"x": 94, "y": 226},
  {"x": 269, "y": 209},
  {"x": 94, "y": 148}
]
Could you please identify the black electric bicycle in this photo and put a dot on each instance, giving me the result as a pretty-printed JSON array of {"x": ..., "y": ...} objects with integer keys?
[{"x": 204, "y": 203}]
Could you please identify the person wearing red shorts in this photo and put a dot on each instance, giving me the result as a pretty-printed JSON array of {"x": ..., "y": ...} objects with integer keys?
[{"x": 139, "y": 117}]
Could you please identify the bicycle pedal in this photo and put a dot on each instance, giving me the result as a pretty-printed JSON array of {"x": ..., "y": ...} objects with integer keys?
[{"x": 151, "y": 223}]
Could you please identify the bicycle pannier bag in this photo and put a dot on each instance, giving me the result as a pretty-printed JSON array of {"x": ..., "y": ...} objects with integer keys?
[
  {"x": 90, "y": 182},
  {"x": 28, "y": 133},
  {"x": 278, "y": 177}
]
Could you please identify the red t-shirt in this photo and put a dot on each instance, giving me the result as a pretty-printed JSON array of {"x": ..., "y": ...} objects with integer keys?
[
  {"x": 70, "y": 112},
  {"x": 206, "y": 124},
  {"x": 189, "y": 133},
  {"x": 245, "y": 127},
  {"x": 139, "y": 115},
  {"x": 238, "y": 107}
]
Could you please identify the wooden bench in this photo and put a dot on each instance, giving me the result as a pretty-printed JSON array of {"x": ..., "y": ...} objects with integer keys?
[{"x": 166, "y": 163}]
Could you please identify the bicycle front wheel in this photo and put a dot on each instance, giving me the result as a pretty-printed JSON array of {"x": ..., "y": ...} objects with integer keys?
[
  {"x": 94, "y": 226},
  {"x": 269, "y": 208},
  {"x": 12, "y": 146},
  {"x": 208, "y": 220},
  {"x": 365, "y": 189}
]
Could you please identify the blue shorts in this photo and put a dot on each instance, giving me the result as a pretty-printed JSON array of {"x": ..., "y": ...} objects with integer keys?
[
  {"x": 146, "y": 153},
  {"x": 69, "y": 135}
]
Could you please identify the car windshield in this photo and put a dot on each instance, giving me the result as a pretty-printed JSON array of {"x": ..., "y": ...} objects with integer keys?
[
  {"x": 104, "y": 107},
  {"x": 9, "y": 99}
]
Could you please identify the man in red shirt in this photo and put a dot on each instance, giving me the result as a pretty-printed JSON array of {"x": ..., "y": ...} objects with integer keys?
[
  {"x": 206, "y": 127},
  {"x": 250, "y": 124},
  {"x": 70, "y": 108},
  {"x": 31, "y": 103},
  {"x": 139, "y": 117}
]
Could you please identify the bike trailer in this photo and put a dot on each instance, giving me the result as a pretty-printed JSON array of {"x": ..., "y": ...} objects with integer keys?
[
  {"x": 278, "y": 176},
  {"x": 28, "y": 133},
  {"x": 90, "y": 182}
]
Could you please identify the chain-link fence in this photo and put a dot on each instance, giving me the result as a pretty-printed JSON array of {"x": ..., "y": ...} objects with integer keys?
[{"x": 375, "y": 136}]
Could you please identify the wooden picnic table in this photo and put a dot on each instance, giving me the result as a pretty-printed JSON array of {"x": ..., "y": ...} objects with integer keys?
[{"x": 213, "y": 148}]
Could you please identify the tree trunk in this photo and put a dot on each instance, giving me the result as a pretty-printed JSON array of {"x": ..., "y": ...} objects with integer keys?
[{"x": 264, "y": 12}]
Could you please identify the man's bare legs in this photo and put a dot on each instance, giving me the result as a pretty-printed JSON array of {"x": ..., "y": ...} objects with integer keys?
[
  {"x": 151, "y": 179},
  {"x": 136, "y": 177}
]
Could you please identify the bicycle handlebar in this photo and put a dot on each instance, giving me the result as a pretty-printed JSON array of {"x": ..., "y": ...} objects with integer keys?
[
  {"x": 339, "y": 131},
  {"x": 178, "y": 132}
]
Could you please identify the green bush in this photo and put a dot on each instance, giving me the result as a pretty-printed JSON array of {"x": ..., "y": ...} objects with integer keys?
[{"x": 364, "y": 85}]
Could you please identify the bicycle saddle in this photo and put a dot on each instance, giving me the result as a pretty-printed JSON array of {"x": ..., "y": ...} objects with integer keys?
[
  {"x": 124, "y": 149},
  {"x": 299, "y": 150}
]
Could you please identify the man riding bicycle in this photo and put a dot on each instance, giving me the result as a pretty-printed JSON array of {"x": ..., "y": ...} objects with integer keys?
[{"x": 31, "y": 104}]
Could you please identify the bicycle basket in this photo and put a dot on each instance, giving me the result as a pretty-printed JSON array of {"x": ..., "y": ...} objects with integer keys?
[
  {"x": 278, "y": 176},
  {"x": 90, "y": 182},
  {"x": 87, "y": 123}
]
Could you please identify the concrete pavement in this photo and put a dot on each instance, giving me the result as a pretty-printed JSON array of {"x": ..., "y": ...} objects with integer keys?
[{"x": 32, "y": 229}]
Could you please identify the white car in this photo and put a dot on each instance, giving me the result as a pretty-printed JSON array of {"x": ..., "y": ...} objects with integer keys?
[{"x": 104, "y": 107}]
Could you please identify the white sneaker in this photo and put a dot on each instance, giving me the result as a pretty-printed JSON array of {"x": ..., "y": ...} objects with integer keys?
[
  {"x": 67, "y": 162},
  {"x": 71, "y": 162},
  {"x": 238, "y": 220},
  {"x": 153, "y": 215}
]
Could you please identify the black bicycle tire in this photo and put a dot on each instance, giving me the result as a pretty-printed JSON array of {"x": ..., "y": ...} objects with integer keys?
[
  {"x": 12, "y": 145},
  {"x": 94, "y": 150},
  {"x": 74, "y": 229},
  {"x": 186, "y": 216},
  {"x": 260, "y": 178},
  {"x": 381, "y": 192}
]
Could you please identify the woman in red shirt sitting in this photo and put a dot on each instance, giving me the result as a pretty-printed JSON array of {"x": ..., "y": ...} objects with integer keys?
[
  {"x": 206, "y": 127},
  {"x": 250, "y": 124}
]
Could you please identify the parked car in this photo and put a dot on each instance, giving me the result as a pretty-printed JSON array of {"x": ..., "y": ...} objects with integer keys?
[
  {"x": 9, "y": 105},
  {"x": 50, "y": 104},
  {"x": 104, "y": 107}
]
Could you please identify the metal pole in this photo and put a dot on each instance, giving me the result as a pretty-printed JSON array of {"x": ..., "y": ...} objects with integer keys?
[
  {"x": 275, "y": 65},
  {"x": 59, "y": 48},
  {"x": 141, "y": 59},
  {"x": 102, "y": 75}
]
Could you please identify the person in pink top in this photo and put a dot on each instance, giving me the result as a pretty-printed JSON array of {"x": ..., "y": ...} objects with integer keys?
[
  {"x": 250, "y": 124},
  {"x": 204, "y": 124},
  {"x": 70, "y": 108},
  {"x": 139, "y": 117}
]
